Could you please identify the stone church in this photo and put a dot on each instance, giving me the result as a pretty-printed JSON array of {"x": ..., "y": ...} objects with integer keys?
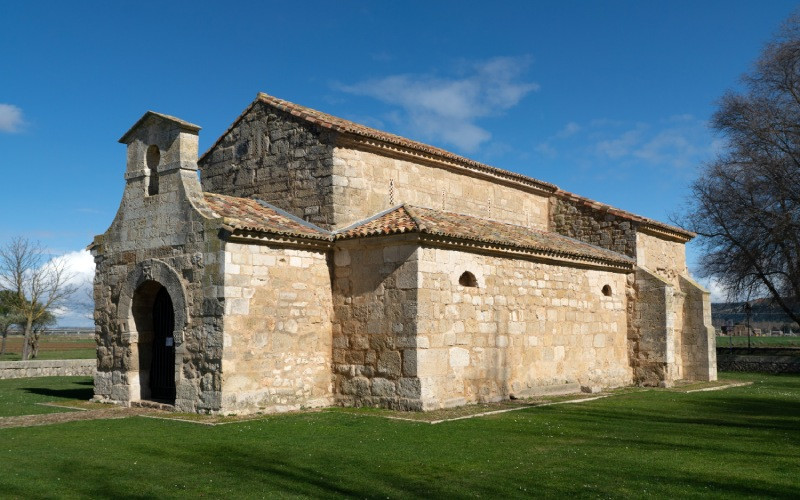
[{"x": 305, "y": 260}]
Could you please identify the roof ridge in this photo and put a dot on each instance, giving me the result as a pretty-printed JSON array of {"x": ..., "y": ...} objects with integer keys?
[
  {"x": 369, "y": 219},
  {"x": 346, "y": 126},
  {"x": 415, "y": 217},
  {"x": 525, "y": 228}
]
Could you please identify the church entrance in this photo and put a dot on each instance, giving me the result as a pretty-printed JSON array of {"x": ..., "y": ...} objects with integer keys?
[{"x": 162, "y": 365}]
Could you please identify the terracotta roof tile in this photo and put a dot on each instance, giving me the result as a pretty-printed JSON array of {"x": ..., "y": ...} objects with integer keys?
[
  {"x": 348, "y": 127},
  {"x": 343, "y": 126},
  {"x": 407, "y": 218},
  {"x": 255, "y": 215},
  {"x": 393, "y": 221}
]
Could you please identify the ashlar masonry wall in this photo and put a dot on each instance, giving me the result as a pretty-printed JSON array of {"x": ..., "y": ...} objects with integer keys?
[
  {"x": 693, "y": 341},
  {"x": 576, "y": 219},
  {"x": 526, "y": 328},
  {"x": 159, "y": 239},
  {"x": 375, "y": 328},
  {"x": 273, "y": 156},
  {"x": 277, "y": 324},
  {"x": 362, "y": 182}
]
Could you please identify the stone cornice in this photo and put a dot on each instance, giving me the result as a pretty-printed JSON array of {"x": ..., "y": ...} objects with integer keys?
[
  {"x": 235, "y": 235},
  {"x": 551, "y": 257},
  {"x": 660, "y": 231}
]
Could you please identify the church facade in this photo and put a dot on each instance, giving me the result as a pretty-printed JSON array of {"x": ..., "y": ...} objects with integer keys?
[{"x": 315, "y": 261}]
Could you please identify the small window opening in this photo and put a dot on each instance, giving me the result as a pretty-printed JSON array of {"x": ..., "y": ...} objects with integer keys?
[
  {"x": 468, "y": 279},
  {"x": 607, "y": 290},
  {"x": 153, "y": 158}
]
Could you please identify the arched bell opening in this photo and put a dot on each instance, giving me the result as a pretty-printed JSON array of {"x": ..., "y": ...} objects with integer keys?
[{"x": 154, "y": 351}]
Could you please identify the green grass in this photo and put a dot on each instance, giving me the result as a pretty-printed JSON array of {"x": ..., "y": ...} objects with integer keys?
[
  {"x": 22, "y": 396},
  {"x": 725, "y": 341},
  {"x": 739, "y": 442}
]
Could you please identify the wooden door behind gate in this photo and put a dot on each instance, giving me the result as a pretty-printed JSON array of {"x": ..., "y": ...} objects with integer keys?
[{"x": 162, "y": 369}]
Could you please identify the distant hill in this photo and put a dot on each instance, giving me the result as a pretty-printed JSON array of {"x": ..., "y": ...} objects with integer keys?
[{"x": 765, "y": 314}]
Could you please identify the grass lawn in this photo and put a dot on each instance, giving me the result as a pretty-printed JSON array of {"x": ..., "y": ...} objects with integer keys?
[
  {"x": 725, "y": 341},
  {"x": 738, "y": 442},
  {"x": 22, "y": 396},
  {"x": 55, "y": 347}
]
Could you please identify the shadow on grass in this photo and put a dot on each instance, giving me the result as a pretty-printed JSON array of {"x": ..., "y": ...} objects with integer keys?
[
  {"x": 261, "y": 473},
  {"x": 73, "y": 393}
]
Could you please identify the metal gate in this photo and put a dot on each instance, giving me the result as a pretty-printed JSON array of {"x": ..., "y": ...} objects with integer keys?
[{"x": 162, "y": 368}]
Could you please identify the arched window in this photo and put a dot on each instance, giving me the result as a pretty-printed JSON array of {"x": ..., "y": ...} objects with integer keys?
[
  {"x": 152, "y": 159},
  {"x": 468, "y": 279},
  {"x": 607, "y": 290}
]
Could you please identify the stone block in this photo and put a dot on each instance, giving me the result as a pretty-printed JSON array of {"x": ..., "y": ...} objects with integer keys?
[
  {"x": 358, "y": 386},
  {"x": 382, "y": 387},
  {"x": 389, "y": 364},
  {"x": 459, "y": 357}
]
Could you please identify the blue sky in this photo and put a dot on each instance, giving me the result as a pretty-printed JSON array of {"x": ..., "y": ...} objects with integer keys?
[{"x": 606, "y": 99}]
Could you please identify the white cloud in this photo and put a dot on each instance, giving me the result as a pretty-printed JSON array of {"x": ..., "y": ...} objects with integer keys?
[
  {"x": 10, "y": 118},
  {"x": 446, "y": 109},
  {"x": 718, "y": 292},
  {"x": 569, "y": 129},
  {"x": 673, "y": 143},
  {"x": 77, "y": 310},
  {"x": 621, "y": 145}
]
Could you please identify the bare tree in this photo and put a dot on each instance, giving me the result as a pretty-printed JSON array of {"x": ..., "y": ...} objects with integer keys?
[
  {"x": 39, "y": 283},
  {"x": 746, "y": 204}
]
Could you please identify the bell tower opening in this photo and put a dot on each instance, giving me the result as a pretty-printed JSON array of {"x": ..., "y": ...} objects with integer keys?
[{"x": 152, "y": 158}]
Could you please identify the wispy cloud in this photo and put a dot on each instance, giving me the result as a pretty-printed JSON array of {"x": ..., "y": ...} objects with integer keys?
[
  {"x": 447, "y": 108},
  {"x": 10, "y": 118},
  {"x": 676, "y": 142}
]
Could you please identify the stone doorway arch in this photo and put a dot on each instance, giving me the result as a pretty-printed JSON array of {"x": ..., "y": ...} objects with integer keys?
[{"x": 152, "y": 314}]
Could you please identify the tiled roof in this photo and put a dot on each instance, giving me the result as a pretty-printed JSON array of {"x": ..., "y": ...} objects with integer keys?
[
  {"x": 596, "y": 205},
  {"x": 343, "y": 126},
  {"x": 393, "y": 221},
  {"x": 355, "y": 129},
  {"x": 254, "y": 215},
  {"x": 260, "y": 217},
  {"x": 406, "y": 218}
]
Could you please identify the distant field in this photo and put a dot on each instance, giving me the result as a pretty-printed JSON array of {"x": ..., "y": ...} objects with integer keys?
[
  {"x": 725, "y": 341},
  {"x": 55, "y": 347}
]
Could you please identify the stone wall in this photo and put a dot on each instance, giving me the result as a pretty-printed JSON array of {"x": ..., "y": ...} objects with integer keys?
[
  {"x": 699, "y": 337},
  {"x": 47, "y": 368},
  {"x": 277, "y": 323},
  {"x": 583, "y": 222},
  {"x": 664, "y": 257},
  {"x": 672, "y": 334},
  {"x": 651, "y": 330},
  {"x": 526, "y": 328},
  {"x": 274, "y": 157},
  {"x": 159, "y": 239},
  {"x": 374, "y": 335},
  {"x": 762, "y": 360},
  {"x": 362, "y": 181}
]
